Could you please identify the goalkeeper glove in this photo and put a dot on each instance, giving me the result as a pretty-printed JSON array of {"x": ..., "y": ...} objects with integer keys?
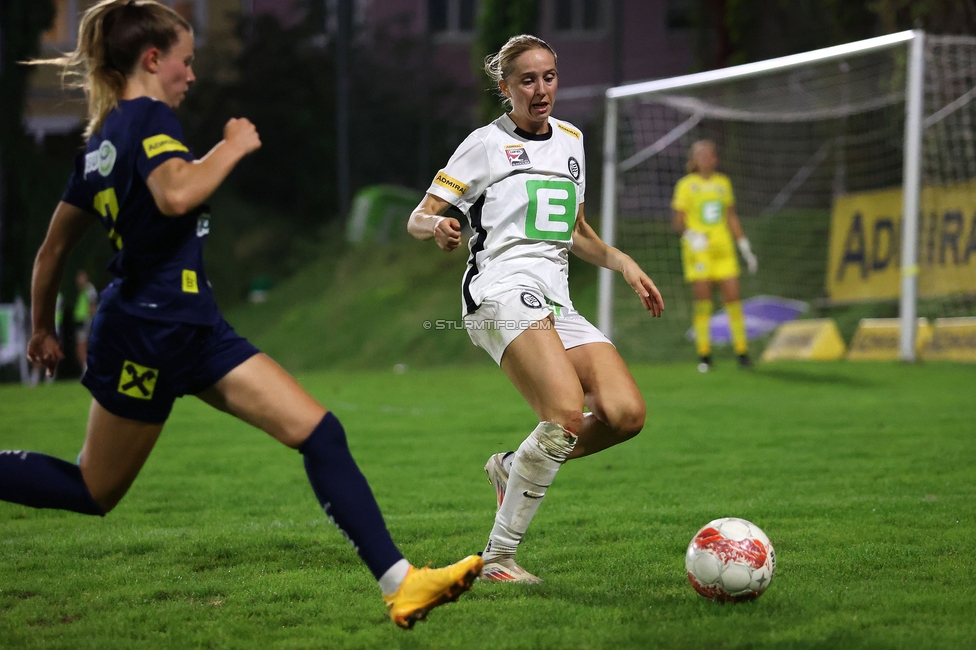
[{"x": 752, "y": 263}]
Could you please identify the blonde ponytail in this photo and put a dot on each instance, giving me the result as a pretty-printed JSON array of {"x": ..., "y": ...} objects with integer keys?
[{"x": 112, "y": 36}]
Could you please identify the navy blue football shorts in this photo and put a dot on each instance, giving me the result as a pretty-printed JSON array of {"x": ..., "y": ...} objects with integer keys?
[{"x": 138, "y": 367}]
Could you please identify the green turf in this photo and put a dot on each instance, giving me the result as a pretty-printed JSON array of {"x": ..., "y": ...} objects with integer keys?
[
  {"x": 364, "y": 307},
  {"x": 862, "y": 475}
]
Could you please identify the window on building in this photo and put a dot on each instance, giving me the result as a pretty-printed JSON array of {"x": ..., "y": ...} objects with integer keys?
[
  {"x": 578, "y": 15},
  {"x": 60, "y": 33},
  {"x": 451, "y": 17}
]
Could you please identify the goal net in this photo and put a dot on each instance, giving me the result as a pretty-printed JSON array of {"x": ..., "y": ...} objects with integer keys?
[{"x": 818, "y": 148}]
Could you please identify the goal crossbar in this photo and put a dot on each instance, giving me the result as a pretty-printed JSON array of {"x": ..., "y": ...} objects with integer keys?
[{"x": 763, "y": 67}]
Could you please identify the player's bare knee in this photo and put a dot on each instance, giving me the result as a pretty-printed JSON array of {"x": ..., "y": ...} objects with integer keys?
[
  {"x": 630, "y": 418},
  {"x": 625, "y": 418}
]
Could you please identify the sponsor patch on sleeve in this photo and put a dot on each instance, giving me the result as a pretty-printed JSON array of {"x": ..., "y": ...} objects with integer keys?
[
  {"x": 162, "y": 143},
  {"x": 452, "y": 184},
  {"x": 573, "y": 132}
]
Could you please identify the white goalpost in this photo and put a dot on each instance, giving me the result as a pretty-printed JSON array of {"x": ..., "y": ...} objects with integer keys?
[{"x": 834, "y": 155}]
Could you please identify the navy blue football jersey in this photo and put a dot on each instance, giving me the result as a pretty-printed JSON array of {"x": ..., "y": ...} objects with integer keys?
[{"x": 158, "y": 262}]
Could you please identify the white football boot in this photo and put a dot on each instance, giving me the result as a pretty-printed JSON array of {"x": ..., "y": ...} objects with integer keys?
[
  {"x": 504, "y": 569},
  {"x": 498, "y": 475}
]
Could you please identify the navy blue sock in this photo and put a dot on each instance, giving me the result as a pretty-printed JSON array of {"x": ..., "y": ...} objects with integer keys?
[
  {"x": 41, "y": 481},
  {"x": 346, "y": 497}
]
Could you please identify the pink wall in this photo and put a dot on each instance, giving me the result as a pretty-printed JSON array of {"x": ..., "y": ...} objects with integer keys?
[{"x": 650, "y": 50}]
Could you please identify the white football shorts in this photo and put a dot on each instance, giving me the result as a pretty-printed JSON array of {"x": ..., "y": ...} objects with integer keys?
[{"x": 501, "y": 318}]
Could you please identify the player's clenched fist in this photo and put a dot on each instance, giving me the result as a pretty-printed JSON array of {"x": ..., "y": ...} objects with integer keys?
[
  {"x": 45, "y": 350},
  {"x": 241, "y": 133},
  {"x": 447, "y": 233}
]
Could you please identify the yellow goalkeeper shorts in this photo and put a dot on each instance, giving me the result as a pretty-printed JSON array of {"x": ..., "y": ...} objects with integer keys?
[{"x": 715, "y": 262}]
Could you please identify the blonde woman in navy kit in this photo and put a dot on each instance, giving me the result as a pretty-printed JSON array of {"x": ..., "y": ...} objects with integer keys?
[{"x": 158, "y": 334}]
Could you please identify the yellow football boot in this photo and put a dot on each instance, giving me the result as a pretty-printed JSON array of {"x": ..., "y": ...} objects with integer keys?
[{"x": 424, "y": 589}]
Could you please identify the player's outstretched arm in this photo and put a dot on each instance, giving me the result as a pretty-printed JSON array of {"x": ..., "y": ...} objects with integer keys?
[
  {"x": 426, "y": 223},
  {"x": 68, "y": 226},
  {"x": 179, "y": 186},
  {"x": 588, "y": 246}
]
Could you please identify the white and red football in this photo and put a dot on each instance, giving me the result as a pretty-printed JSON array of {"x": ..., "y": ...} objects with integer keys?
[{"x": 730, "y": 560}]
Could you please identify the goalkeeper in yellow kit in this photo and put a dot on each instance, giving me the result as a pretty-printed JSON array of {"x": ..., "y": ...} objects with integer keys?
[{"x": 704, "y": 214}]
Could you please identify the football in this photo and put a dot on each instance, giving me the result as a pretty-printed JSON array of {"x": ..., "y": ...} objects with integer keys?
[{"x": 730, "y": 560}]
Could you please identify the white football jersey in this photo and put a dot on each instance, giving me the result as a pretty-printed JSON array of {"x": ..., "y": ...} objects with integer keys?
[{"x": 521, "y": 193}]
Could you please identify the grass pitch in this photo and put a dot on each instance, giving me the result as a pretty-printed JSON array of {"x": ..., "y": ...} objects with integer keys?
[{"x": 861, "y": 474}]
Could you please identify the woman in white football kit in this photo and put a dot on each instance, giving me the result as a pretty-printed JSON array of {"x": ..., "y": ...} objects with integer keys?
[{"x": 521, "y": 181}]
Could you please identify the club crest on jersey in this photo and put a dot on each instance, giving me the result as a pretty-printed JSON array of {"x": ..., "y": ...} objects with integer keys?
[
  {"x": 517, "y": 157},
  {"x": 574, "y": 167},
  {"x": 530, "y": 300},
  {"x": 101, "y": 160},
  {"x": 203, "y": 225}
]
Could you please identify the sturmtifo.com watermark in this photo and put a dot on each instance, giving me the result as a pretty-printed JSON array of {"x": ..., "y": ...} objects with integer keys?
[
  {"x": 517, "y": 325},
  {"x": 484, "y": 324}
]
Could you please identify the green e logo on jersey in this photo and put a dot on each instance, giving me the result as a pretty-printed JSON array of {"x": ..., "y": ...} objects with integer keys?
[
  {"x": 552, "y": 210},
  {"x": 712, "y": 212}
]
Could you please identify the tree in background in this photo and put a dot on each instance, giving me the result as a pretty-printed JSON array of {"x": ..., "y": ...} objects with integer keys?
[
  {"x": 27, "y": 182},
  {"x": 498, "y": 20},
  {"x": 272, "y": 214},
  {"x": 936, "y": 16},
  {"x": 731, "y": 32}
]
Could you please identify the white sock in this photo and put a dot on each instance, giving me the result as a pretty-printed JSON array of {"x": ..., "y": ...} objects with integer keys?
[
  {"x": 394, "y": 576},
  {"x": 533, "y": 469},
  {"x": 507, "y": 461}
]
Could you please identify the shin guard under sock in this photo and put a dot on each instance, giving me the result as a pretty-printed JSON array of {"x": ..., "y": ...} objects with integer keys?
[
  {"x": 42, "y": 481},
  {"x": 536, "y": 462},
  {"x": 703, "y": 312},
  {"x": 737, "y": 325},
  {"x": 346, "y": 497}
]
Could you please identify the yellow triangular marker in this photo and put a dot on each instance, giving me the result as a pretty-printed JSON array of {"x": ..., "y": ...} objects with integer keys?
[
  {"x": 810, "y": 340},
  {"x": 953, "y": 339},
  {"x": 879, "y": 339}
]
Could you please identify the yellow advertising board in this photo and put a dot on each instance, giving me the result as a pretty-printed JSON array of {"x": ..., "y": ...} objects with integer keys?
[
  {"x": 864, "y": 259},
  {"x": 953, "y": 339},
  {"x": 815, "y": 339},
  {"x": 879, "y": 339}
]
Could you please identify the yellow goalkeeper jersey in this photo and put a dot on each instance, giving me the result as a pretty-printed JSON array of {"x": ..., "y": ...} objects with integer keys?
[{"x": 704, "y": 201}]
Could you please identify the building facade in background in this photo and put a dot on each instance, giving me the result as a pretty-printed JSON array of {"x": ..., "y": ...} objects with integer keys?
[
  {"x": 54, "y": 110},
  {"x": 599, "y": 43}
]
